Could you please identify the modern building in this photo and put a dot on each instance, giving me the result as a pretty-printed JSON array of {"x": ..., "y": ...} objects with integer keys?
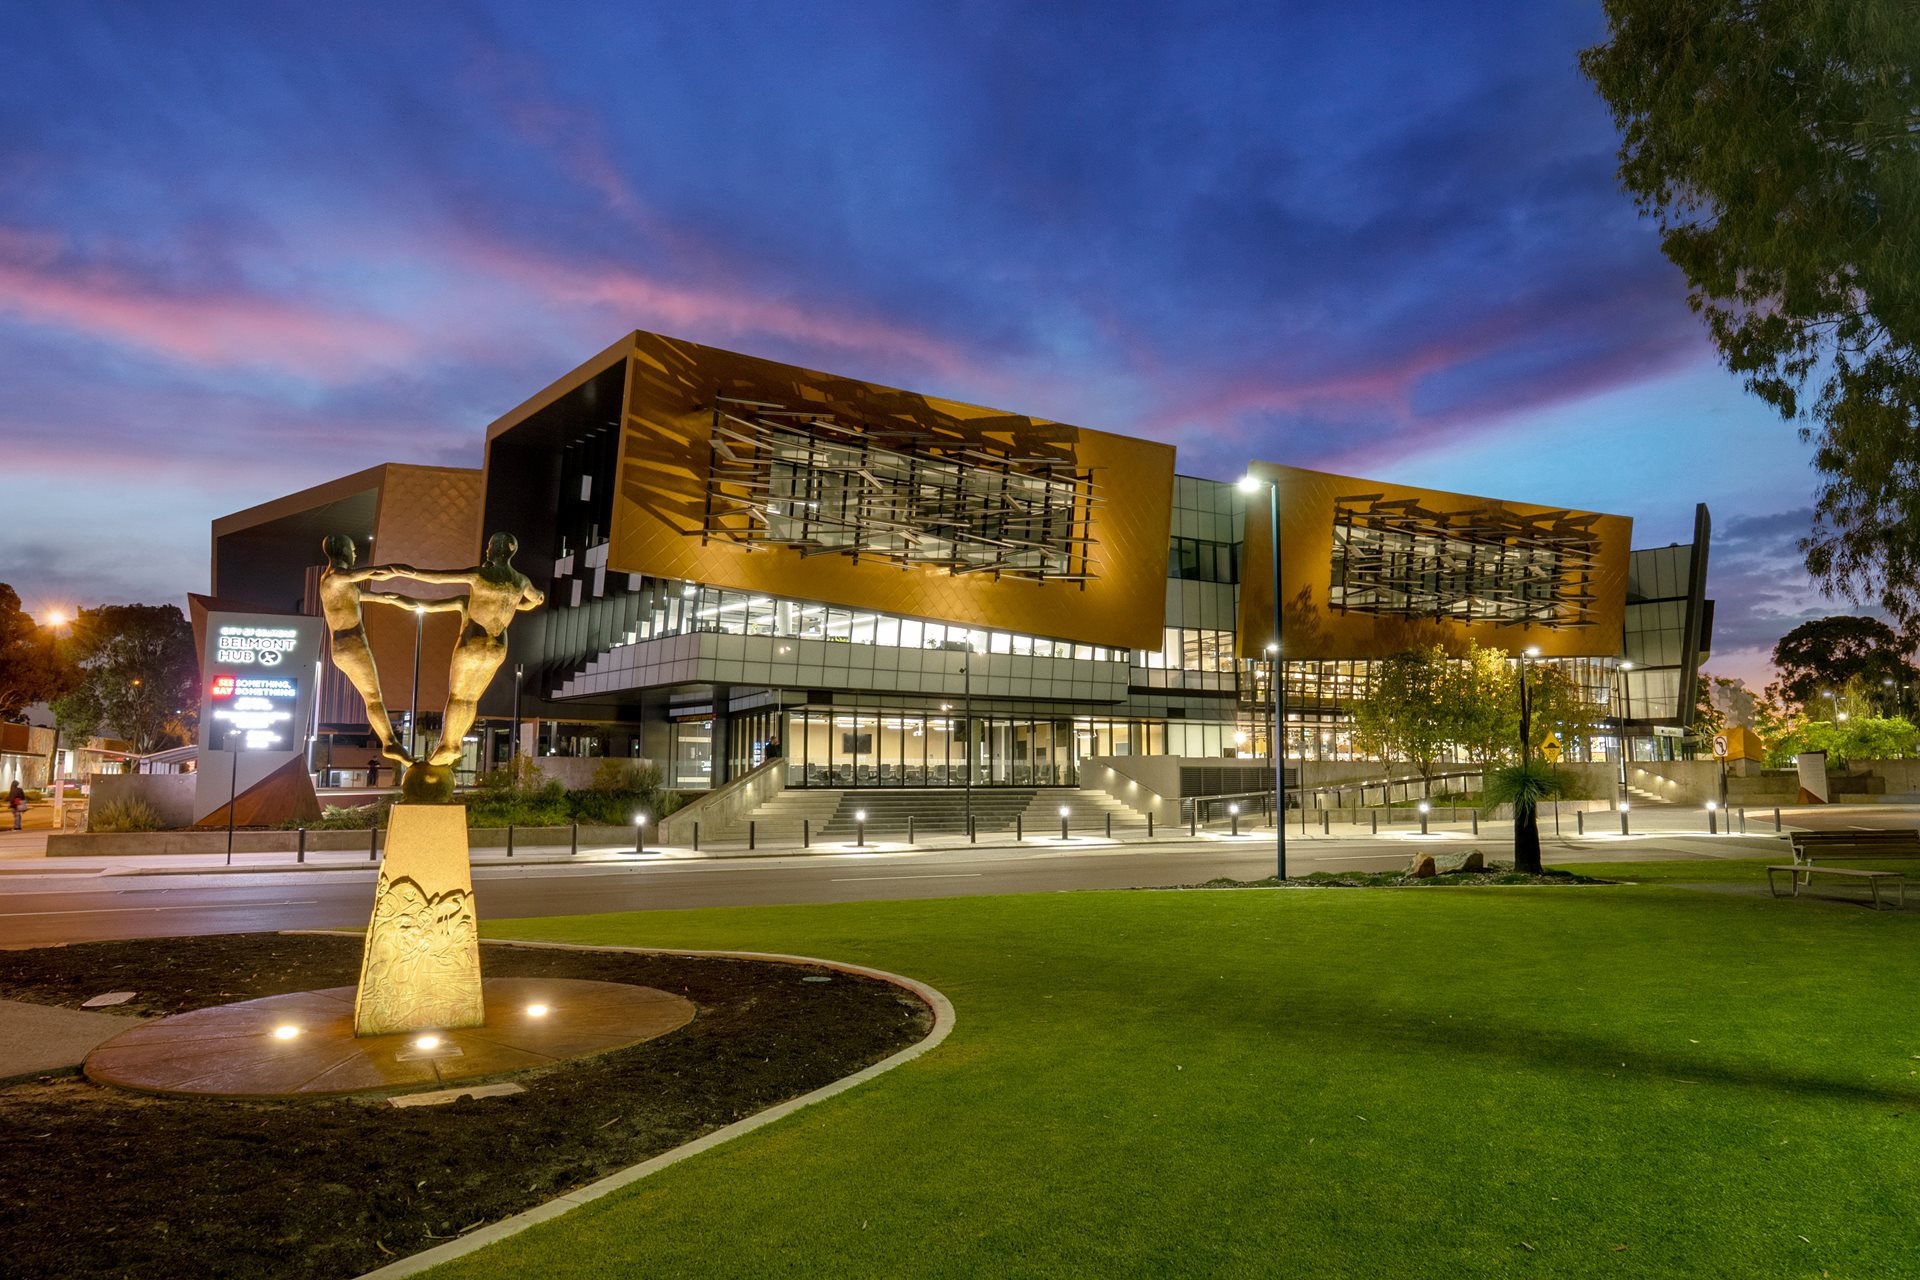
[{"x": 746, "y": 561}]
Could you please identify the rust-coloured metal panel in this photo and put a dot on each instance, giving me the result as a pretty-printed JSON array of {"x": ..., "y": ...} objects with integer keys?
[
  {"x": 663, "y": 519},
  {"x": 1574, "y": 611}
]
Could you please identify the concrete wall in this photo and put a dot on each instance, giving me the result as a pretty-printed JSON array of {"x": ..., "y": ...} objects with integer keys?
[
  {"x": 725, "y": 808},
  {"x": 575, "y": 773},
  {"x": 169, "y": 794}
]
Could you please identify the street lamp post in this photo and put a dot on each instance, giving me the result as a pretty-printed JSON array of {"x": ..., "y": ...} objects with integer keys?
[
  {"x": 1626, "y": 715},
  {"x": 1251, "y": 484},
  {"x": 56, "y": 782},
  {"x": 513, "y": 746}
]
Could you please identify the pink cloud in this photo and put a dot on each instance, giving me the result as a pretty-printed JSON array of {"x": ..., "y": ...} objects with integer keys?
[
  {"x": 43, "y": 283},
  {"x": 641, "y": 300}
]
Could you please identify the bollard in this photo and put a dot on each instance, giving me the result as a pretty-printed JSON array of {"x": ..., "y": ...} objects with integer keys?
[
  {"x": 303, "y": 846},
  {"x": 1623, "y": 820},
  {"x": 1776, "y": 822},
  {"x": 1423, "y": 817},
  {"x": 1233, "y": 812},
  {"x": 1374, "y": 814},
  {"x": 860, "y": 830},
  {"x": 1149, "y": 824},
  {"x": 1713, "y": 821},
  {"x": 1326, "y": 821},
  {"x": 1580, "y": 822},
  {"x": 1193, "y": 819},
  {"x": 373, "y": 841},
  {"x": 1063, "y": 822},
  {"x": 509, "y": 839},
  {"x": 1743, "y": 819},
  {"x": 1303, "y": 816},
  {"x": 1476, "y": 822},
  {"x": 753, "y": 835},
  {"x": 640, "y": 834},
  {"x": 973, "y": 832},
  {"x": 1019, "y": 827},
  {"x": 1109, "y": 824},
  {"x": 806, "y": 833},
  {"x": 696, "y": 837},
  {"x": 909, "y": 828}
]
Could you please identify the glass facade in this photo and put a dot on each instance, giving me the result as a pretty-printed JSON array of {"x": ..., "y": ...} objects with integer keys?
[
  {"x": 860, "y": 747},
  {"x": 684, "y": 608}
]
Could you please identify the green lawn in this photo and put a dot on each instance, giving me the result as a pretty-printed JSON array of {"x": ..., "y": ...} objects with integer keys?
[{"x": 1614, "y": 1081}]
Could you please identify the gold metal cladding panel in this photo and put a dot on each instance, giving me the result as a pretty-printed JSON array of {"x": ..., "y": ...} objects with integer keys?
[
  {"x": 1316, "y": 628},
  {"x": 660, "y": 508}
]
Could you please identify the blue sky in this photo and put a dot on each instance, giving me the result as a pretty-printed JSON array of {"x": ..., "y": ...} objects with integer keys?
[{"x": 247, "y": 247}]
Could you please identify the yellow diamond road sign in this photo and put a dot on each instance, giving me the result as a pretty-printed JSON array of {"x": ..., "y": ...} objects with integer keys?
[{"x": 1551, "y": 748}]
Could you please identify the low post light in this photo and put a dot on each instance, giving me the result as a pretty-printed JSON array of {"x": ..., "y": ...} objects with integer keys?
[
  {"x": 1064, "y": 811},
  {"x": 1233, "y": 811},
  {"x": 860, "y": 828},
  {"x": 1424, "y": 809},
  {"x": 1713, "y": 818},
  {"x": 1624, "y": 806},
  {"x": 639, "y": 833}
]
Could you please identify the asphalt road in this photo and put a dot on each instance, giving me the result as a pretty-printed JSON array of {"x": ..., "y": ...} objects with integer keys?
[{"x": 41, "y": 904}]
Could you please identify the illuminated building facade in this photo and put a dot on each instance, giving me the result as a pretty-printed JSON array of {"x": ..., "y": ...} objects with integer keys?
[{"x": 744, "y": 560}]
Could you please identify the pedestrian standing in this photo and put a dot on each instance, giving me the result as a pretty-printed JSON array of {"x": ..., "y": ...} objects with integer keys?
[{"x": 17, "y": 801}]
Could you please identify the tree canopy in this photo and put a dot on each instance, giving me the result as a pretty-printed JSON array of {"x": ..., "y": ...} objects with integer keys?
[
  {"x": 1423, "y": 701},
  {"x": 32, "y": 668},
  {"x": 1777, "y": 145},
  {"x": 1843, "y": 653},
  {"x": 139, "y": 676}
]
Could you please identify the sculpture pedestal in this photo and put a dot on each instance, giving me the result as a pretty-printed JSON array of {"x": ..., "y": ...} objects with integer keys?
[{"x": 421, "y": 967}]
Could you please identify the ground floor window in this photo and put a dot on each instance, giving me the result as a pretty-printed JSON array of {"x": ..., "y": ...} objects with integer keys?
[{"x": 854, "y": 747}]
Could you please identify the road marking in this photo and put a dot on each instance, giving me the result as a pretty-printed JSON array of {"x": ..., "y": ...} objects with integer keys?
[
  {"x": 199, "y": 906},
  {"x": 946, "y": 875}
]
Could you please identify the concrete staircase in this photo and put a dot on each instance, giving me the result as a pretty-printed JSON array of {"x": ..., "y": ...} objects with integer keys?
[
  {"x": 935, "y": 810},
  {"x": 1641, "y": 798},
  {"x": 1087, "y": 816}
]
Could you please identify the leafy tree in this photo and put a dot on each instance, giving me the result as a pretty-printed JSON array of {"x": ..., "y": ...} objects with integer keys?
[
  {"x": 1777, "y": 145},
  {"x": 1867, "y": 738},
  {"x": 32, "y": 668},
  {"x": 1833, "y": 653},
  {"x": 139, "y": 676},
  {"x": 1487, "y": 712},
  {"x": 1561, "y": 707},
  {"x": 1410, "y": 711}
]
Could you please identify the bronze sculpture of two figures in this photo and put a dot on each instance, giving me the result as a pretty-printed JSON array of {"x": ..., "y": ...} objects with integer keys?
[{"x": 495, "y": 592}]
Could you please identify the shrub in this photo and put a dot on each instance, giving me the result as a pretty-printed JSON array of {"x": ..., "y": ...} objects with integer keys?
[{"x": 125, "y": 815}]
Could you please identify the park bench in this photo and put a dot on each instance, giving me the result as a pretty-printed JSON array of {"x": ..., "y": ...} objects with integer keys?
[
  {"x": 1811, "y": 845},
  {"x": 1802, "y": 873}
]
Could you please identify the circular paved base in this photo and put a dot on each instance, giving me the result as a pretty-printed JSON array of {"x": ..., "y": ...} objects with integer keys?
[{"x": 232, "y": 1051}]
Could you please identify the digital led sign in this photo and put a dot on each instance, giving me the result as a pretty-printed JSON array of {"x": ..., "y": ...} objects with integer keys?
[
  {"x": 243, "y": 646},
  {"x": 253, "y": 713}
]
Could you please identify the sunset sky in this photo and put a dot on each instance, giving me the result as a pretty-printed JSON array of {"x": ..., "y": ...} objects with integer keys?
[{"x": 248, "y": 247}]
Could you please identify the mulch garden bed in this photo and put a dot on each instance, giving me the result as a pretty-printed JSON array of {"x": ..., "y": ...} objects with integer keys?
[{"x": 101, "y": 1182}]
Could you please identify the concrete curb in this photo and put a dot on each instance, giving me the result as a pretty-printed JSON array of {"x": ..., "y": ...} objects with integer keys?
[{"x": 480, "y": 1238}]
